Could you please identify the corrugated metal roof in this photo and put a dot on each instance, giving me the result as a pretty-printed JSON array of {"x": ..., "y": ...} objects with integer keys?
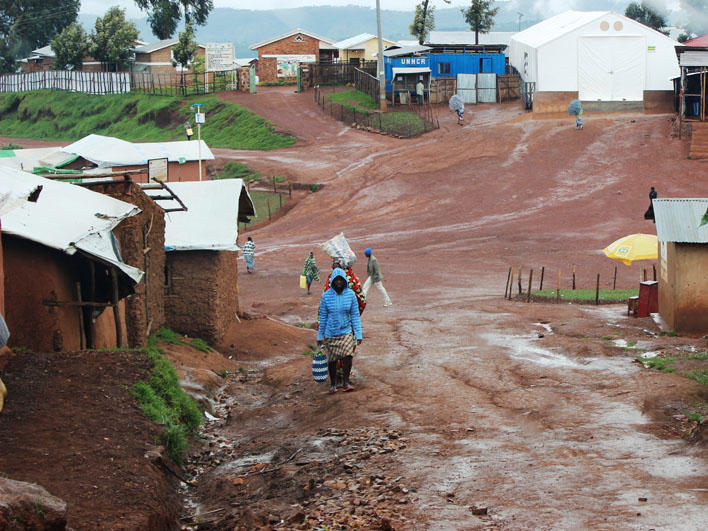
[
  {"x": 159, "y": 45},
  {"x": 290, "y": 34},
  {"x": 440, "y": 38},
  {"x": 698, "y": 41},
  {"x": 66, "y": 217},
  {"x": 678, "y": 220},
  {"x": 211, "y": 220},
  {"x": 405, "y": 50},
  {"x": 106, "y": 151}
]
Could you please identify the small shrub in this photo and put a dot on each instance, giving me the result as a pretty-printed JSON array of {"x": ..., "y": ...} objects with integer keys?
[
  {"x": 200, "y": 344},
  {"x": 315, "y": 187},
  {"x": 168, "y": 336},
  {"x": 695, "y": 417}
]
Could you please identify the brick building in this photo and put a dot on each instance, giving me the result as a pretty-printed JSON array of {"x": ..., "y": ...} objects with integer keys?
[
  {"x": 279, "y": 57},
  {"x": 157, "y": 57}
]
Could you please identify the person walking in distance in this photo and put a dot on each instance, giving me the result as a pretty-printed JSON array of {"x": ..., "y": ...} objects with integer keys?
[
  {"x": 339, "y": 329},
  {"x": 649, "y": 214},
  {"x": 248, "y": 255},
  {"x": 420, "y": 90},
  {"x": 375, "y": 276},
  {"x": 310, "y": 270}
]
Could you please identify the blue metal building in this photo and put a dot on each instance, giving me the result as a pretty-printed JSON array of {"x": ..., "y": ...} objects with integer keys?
[{"x": 404, "y": 71}]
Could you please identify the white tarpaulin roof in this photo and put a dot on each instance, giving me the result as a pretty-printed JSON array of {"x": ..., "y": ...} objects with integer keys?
[
  {"x": 552, "y": 28},
  {"x": 106, "y": 151},
  {"x": 211, "y": 220},
  {"x": 66, "y": 217},
  {"x": 411, "y": 70}
]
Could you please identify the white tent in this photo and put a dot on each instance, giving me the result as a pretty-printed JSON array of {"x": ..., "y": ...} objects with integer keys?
[{"x": 600, "y": 55}]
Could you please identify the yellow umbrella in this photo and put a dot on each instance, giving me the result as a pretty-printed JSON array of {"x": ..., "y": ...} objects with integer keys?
[{"x": 633, "y": 247}]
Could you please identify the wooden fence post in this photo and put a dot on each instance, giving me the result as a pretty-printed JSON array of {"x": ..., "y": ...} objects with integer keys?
[
  {"x": 597, "y": 290},
  {"x": 573, "y": 276},
  {"x": 543, "y": 271},
  {"x": 614, "y": 280},
  {"x": 518, "y": 281},
  {"x": 511, "y": 281},
  {"x": 508, "y": 276},
  {"x": 558, "y": 291},
  {"x": 528, "y": 293}
]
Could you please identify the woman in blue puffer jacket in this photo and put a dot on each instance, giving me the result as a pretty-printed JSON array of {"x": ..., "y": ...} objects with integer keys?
[{"x": 340, "y": 328}]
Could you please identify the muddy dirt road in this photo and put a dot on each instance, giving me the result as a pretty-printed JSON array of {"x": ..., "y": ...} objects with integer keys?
[{"x": 527, "y": 410}]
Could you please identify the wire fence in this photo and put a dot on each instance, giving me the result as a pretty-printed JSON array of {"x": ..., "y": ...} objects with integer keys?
[
  {"x": 101, "y": 83},
  {"x": 403, "y": 122}
]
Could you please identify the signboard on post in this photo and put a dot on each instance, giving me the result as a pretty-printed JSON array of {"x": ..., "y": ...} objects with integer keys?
[
  {"x": 157, "y": 169},
  {"x": 219, "y": 56}
]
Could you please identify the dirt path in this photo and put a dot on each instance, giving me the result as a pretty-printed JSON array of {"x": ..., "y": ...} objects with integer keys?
[{"x": 559, "y": 431}]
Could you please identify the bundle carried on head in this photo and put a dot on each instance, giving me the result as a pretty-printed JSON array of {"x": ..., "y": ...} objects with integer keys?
[{"x": 339, "y": 249}]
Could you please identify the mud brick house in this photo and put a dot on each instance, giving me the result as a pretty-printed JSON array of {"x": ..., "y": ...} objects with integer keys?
[
  {"x": 64, "y": 278},
  {"x": 201, "y": 275},
  {"x": 142, "y": 245},
  {"x": 280, "y": 57},
  {"x": 683, "y": 262},
  {"x": 157, "y": 57},
  {"x": 606, "y": 60},
  {"x": 104, "y": 152}
]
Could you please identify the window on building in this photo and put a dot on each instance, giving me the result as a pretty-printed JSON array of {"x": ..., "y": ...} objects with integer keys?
[{"x": 443, "y": 68}]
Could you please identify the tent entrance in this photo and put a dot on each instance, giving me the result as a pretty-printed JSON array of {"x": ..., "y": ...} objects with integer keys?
[{"x": 611, "y": 68}]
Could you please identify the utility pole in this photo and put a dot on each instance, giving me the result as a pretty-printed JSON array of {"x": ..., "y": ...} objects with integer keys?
[
  {"x": 199, "y": 120},
  {"x": 380, "y": 61},
  {"x": 520, "y": 15}
]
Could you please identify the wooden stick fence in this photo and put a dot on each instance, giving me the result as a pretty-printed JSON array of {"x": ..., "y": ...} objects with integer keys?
[{"x": 515, "y": 276}]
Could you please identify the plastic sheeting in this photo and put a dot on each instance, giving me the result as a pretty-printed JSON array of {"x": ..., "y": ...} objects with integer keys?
[
  {"x": 611, "y": 68},
  {"x": 211, "y": 220},
  {"x": 106, "y": 151},
  {"x": 66, "y": 217}
]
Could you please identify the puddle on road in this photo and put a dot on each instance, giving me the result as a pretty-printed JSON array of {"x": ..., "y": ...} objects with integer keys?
[
  {"x": 636, "y": 345},
  {"x": 522, "y": 348}
]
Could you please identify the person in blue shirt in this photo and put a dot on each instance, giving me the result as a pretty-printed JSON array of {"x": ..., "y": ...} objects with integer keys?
[{"x": 340, "y": 328}]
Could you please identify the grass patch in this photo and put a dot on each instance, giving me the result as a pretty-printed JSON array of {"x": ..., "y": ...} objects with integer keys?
[
  {"x": 660, "y": 364},
  {"x": 201, "y": 345},
  {"x": 58, "y": 115},
  {"x": 700, "y": 375},
  {"x": 354, "y": 99},
  {"x": 163, "y": 400},
  {"x": 588, "y": 295},
  {"x": 239, "y": 170},
  {"x": 261, "y": 200},
  {"x": 671, "y": 333},
  {"x": 11, "y": 146}
]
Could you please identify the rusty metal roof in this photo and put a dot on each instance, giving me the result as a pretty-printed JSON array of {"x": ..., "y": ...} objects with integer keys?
[{"x": 679, "y": 220}]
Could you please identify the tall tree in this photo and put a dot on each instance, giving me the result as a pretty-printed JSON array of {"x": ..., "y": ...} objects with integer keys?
[
  {"x": 70, "y": 47},
  {"x": 112, "y": 38},
  {"x": 644, "y": 14},
  {"x": 161, "y": 12},
  {"x": 423, "y": 21},
  {"x": 163, "y": 19},
  {"x": 480, "y": 16},
  {"x": 185, "y": 48},
  {"x": 29, "y": 24}
]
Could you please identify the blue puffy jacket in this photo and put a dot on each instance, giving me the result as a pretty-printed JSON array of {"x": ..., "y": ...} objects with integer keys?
[{"x": 339, "y": 314}]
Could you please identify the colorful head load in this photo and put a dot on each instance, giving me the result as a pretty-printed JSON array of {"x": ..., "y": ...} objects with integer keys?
[{"x": 367, "y": 251}]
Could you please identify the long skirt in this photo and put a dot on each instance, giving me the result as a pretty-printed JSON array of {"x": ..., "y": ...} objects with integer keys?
[
  {"x": 339, "y": 347},
  {"x": 250, "y": 261}
]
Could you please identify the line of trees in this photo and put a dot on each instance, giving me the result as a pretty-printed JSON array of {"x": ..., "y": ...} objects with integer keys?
[{"x": 26, "y": 25}]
